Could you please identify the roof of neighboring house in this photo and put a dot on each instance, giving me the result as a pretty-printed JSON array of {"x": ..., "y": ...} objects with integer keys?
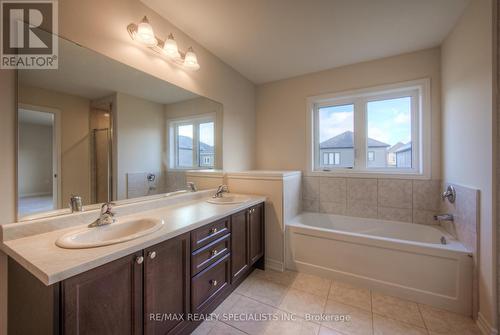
[
  {"x": 346, "y": 140},
  {"x": 395, "y": 147},
  {"x": 406, "y": 147},
  {"x": 186, "y": 143}
]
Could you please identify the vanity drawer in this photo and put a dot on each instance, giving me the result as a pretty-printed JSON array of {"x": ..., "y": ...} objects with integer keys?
[
  {"x": 206, "y": 234},
  {"x": 206, "y": 285},
  {"x": 209, "y": 254}
]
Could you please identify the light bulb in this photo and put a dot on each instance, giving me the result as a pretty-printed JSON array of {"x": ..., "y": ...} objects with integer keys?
[
  {"x": 170, "y": 48},
  {"x": 190, "y": 60},
  {"x": 145, "y": 33}
]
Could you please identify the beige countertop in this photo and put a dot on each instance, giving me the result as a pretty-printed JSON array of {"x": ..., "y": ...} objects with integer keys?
[{"x": 51, "y": 264}]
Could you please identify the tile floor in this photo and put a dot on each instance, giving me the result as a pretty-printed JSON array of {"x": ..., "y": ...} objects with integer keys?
[{"x": 290, "y": 297}]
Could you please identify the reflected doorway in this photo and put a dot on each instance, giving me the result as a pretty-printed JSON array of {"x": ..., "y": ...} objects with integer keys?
[{"x": 38, "y": 160}]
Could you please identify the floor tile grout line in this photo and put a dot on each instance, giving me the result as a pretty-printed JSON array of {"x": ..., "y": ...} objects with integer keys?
[
  {"x": 423, "y": 319},
  {"x": 234, "y": 327},
  {"x": 373, "y": 315}
]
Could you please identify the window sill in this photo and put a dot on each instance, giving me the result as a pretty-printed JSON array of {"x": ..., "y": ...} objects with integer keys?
[{"x": 368, "y": 174}]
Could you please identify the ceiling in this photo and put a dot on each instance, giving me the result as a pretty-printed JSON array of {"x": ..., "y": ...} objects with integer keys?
[
  {"x": 85, "y": 73},
  {"x": 267, "y": 40}
]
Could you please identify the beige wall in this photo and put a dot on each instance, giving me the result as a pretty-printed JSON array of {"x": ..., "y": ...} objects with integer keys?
[
  {"x": 101, "y": 26},
  {"x": 281, "y": 106},
  {"x": 140, "y": 138},
  {"x": 35, "y": 159},
  {"x": 75, "y": 156},
  {"x": 468, "y": 129},
  {"x": 199, "y": 106},
  {"x": 7, "y": 174}
]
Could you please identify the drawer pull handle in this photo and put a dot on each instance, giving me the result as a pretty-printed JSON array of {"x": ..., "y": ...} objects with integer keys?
[
  {"x": 213, "y": 231},
  {"x": 152, "y": 254},
  {"x": 214, "y": 252},
  {"x": 139, "y": 259},
  {"x": 213, "y": 282}
]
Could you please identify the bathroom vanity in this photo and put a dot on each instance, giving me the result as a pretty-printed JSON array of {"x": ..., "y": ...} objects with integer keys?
[{"x": 163, "y": 285}]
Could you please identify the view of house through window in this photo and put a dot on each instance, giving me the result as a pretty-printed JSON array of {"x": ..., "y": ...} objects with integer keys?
[
  {"x": 389, "y": 133},
  {"x": 192, "y": 143},
  {"x": 368, "y": 131},
  {"x": 336, "y": 135}
]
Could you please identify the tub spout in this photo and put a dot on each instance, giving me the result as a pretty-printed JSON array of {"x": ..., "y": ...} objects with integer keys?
[{"x": 443, "y": 217}]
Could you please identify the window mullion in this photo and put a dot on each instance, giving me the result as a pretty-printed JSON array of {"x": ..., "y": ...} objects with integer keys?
[
  {"x": 196, "y": 144},
  {"x": 360, "y": 132}
]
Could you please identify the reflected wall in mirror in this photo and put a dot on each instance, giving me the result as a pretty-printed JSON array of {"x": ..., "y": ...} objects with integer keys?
[{"x": 104, "y": 131}]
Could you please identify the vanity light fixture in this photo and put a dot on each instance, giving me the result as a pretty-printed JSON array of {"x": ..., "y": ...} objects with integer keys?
[
  {"x": 170, "y": 48},
  {"x": 143, "y": 33}
]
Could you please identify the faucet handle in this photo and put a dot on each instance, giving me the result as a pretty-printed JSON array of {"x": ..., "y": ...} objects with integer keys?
[
  {"x": 107, "y": 207},
  {"x": 449, "y": 194}
]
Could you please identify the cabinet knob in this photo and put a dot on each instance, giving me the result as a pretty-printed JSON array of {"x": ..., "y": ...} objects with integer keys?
[
  {"x": 213, "y": 282},
  {"x": 152, "y": 254},
  {"x": 214, "y": 252},
  {"x": 139, "y": 259},
  {"x": 213, "y": 231}
]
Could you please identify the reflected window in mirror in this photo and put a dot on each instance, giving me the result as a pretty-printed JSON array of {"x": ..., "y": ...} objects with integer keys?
[{"x": 192, "y": 142}]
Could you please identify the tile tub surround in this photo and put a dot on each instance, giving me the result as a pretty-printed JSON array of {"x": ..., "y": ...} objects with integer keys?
[
  {"x": 389, "y": 199},
  {"x": 286, "y": 294},
  {"x": 33, "y": 246},
  {"x": 138, "y": 184},
  {"x": 465, "y": 227}
]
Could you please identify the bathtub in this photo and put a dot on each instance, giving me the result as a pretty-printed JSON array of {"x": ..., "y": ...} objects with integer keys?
[{"x": 406, "y": 260}]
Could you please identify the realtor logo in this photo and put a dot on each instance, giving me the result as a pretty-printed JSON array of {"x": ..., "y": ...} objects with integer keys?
[{"x": 29, "y": 34}]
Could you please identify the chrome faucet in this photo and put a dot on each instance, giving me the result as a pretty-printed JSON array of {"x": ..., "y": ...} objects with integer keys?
[
  {"x": 220, "y": 191},
  {"x": 444, "y": 217},
  {"x": 449, "y": 194},
  {"x": 106, "y": 217},
  {"x": 191, "y": 187},
  {"x": 76, "y": 203}
]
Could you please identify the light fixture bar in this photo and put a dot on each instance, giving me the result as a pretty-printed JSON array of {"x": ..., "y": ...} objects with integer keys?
[{"x": 144, "y": 34}]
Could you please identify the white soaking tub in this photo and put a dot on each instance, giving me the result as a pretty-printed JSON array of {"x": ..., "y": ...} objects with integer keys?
[{"x": 401, "y": 259}]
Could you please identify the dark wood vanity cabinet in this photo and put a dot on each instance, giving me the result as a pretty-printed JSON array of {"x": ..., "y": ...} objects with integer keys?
[
  {"x": 247, "y": 240},
  {"x": 148, "y": 292},
  {"x": 110, "y": 292},
  {"x": 256, "y": 233},
  {"x": 240, "y": 260},
  {"x": 167, "y": 286}
]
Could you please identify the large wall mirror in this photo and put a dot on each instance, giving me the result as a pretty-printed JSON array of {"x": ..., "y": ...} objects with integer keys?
[{"x": 105, "y": 131}]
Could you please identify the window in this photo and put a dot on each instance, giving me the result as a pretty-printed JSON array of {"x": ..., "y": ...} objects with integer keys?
[
  {"x": 371, "y": 156},
  {"x": 331, "y": 158},
  {"x": 374, "y": 131},
  {"x": 192, "y": 143},
  {"x": 336, "y": 160}
]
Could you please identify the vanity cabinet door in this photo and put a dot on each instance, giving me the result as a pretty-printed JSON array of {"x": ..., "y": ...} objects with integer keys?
[
  {"x": 240, "y": 260},
  {"x": 167, "y": 286},
  {"x": 256, "y": 232},
  {"x": 106, "y": 300}
]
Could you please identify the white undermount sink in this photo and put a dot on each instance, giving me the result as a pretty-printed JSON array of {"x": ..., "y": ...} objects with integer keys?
[
  {"x": 228, "y": 199},
  {"x": 110, "y": 234}
]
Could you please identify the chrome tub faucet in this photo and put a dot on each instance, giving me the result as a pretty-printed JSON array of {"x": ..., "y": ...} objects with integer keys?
[{"x": 444, "y": 217}]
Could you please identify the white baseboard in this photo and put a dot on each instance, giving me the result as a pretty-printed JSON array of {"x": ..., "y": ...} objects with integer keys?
[
  {"x": 484, "y": 325},
  {"x": 273, "y": 264}
]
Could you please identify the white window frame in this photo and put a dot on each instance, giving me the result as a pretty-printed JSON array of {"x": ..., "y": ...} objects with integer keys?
[
  {"x": 419, "y": 90},
  {"x": 172, "y": 152}
]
